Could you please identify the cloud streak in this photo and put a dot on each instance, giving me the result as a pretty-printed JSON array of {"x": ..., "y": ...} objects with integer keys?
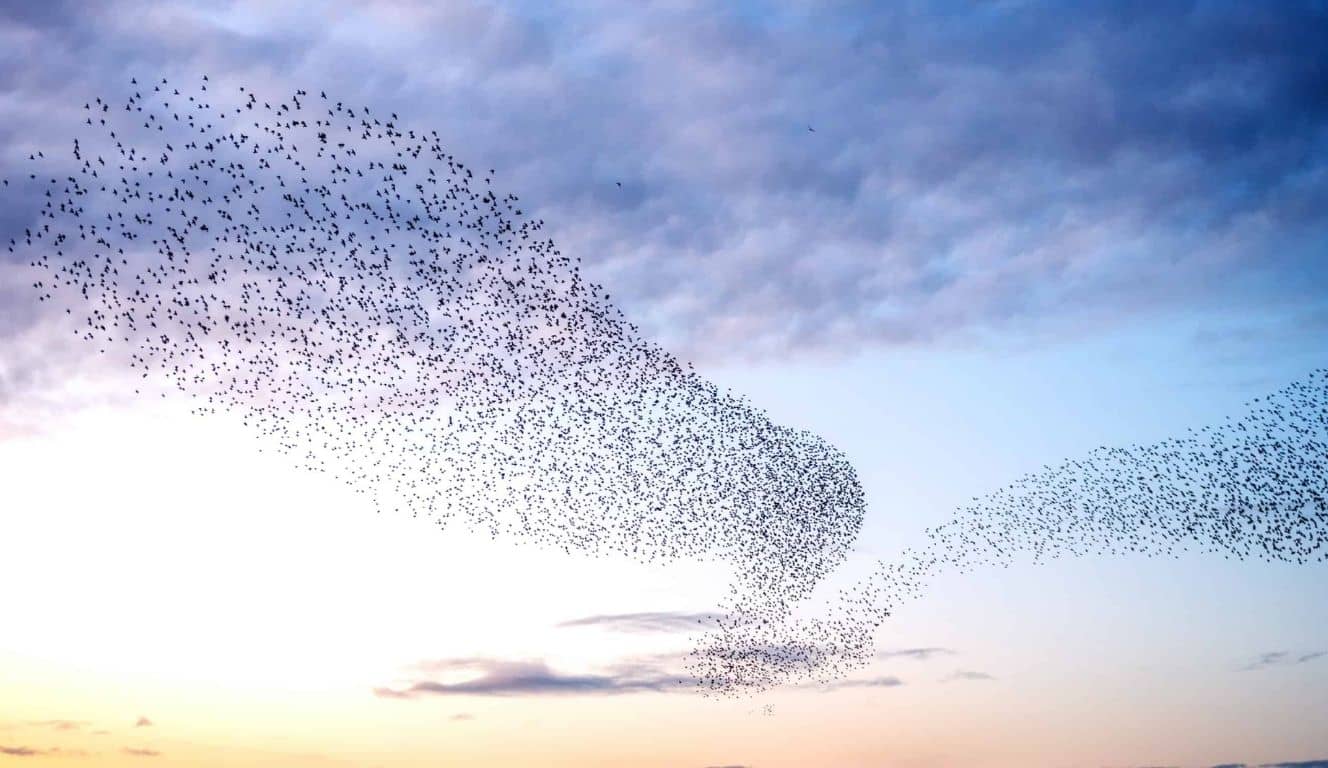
[
  {"x": 967, "y": 674},
  {"x": 59, "y": 725},
  {"x": 884, "y": 681},
  {"x": 1302, "y": 764},
  {"x": 503, "y": 678},
  {"x": 917, "y": 654},
  {"x": 1282, "y": 659},
  {"x": 651, "y": 622},
  {"x": 11, "y": 751}
]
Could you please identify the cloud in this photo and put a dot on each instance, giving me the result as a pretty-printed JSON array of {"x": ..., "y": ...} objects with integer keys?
[
  {"x": 33, "y": 752},
  {"x": 59, "y": 725},
  {"x": 1037, "y": 168},
  {"x": 918, "y": 654},
  {"x": 967, "y": 674},
  {"x": 142, "y": 722},
  {"x": 1282, "y": 659},
  {"x": 1270, "y": 659},
  {"x": 885, "y": 681},
  {"x": 461, "y": 717},
  {"x": 646, "y": 623},
  {"x": 494, "y": 677},
  {"x": 136, "y": 752},
  {"x": 1303, "y": 764}
]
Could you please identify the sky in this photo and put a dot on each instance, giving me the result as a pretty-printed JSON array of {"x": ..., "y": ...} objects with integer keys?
[{"x": 957, "y": 241}]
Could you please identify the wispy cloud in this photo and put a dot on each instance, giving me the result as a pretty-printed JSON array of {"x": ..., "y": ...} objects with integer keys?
[
  {"x": 917, "y": 654},
  {"x": 461, "y": 717},
  {"x": 1300, "y": 764},
  {"x": 138, "y": 752},
  {"x": 649, "y": 622},
  {"x": 967, "y": 674},
  {"x": 1282, "y": 659},
  {"x": 59, "y": 725},
  {"x": 34, "y": 752},
  {"x": 495, "y": 677},
  {"x": 142, "y": 722},
  {"x": 884, "y": 681}
]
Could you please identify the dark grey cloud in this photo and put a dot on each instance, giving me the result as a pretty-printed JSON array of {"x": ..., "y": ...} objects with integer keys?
[
  {"x": 1027, "y": 168},
  {"x": 497, "y": 677},
  {"x": 1282, "y": 659},
  {"x": 649, "y": 622}
]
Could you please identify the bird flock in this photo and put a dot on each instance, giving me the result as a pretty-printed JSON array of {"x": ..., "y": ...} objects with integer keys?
[{"x": 374, "y": 308}]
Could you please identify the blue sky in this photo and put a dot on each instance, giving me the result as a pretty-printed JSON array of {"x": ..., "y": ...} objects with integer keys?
[
  {"x": 1151, "y": 158},
  {"x": 957, "y": 242}
]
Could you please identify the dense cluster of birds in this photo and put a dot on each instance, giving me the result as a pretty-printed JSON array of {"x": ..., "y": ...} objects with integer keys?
[{"x": 373, "y": 307}]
